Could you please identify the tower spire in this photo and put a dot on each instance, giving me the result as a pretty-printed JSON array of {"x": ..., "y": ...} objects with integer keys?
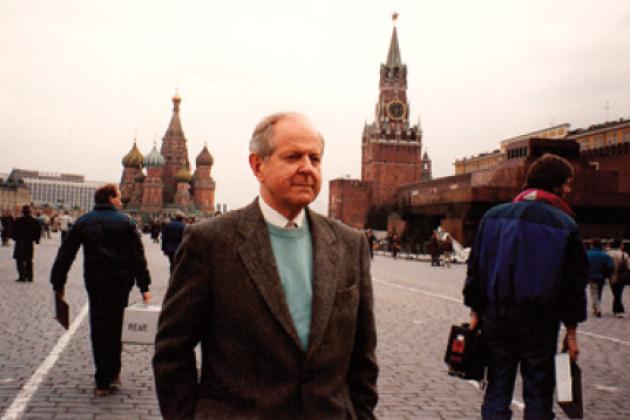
[
  {"x": 176, "y": 100},
  {"x": 393, "y": 55}
]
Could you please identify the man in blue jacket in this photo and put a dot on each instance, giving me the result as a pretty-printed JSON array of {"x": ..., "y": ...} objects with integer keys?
[
  {"x": 172, "y": 237},
  {"x": 113, "y": 261},
  {"x": 601, "y": 267},
  {"x": 527, "y": 273}
]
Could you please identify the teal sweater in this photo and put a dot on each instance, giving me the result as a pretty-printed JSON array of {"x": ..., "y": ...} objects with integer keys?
[{"x": 293, "y": 251}]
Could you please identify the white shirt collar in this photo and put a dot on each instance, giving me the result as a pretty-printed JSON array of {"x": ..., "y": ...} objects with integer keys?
[{"x": 275, "y": 218}]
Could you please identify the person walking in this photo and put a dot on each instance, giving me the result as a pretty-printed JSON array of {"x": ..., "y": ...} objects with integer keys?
[
  {"x": 25, "y": 231},
  {"x": 527, "y": 272},
  {"x": 447, "y": 249},
  {"x": 46, "y": 223},
  {"x": 279, "y": 296},
  {"x": 601, "y": 267},
  {"x": 155, "y": 227},
  {"x": 6, "y": 220},
  {"x": 65, "y": 223},
  {"x": 172, "y": 236},
  {"x": 369, "y": 235},
  {"x": 621, "y": 263},
  {"x": 434, "y": 249},
  {"x": 113, "y": 260},
  {"x": 395, "y": 246}
]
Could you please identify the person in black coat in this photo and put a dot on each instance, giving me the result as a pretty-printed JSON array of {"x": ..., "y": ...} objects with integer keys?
[
  {"x": 113, "y": 260},
  {"x": 24, "y": 232},
  {"x": 172, "y": 237},
  {"x": 7, "y": 222}
]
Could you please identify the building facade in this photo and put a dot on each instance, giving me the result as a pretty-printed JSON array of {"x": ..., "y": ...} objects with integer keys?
[
  {"x": 162, "y": 182},
  {"x": 598, "y": 136},
  {"x": 13, "y": 195},
  {"x": 478, "y": 162},
  {"x": 391, "y": 149},
  {"x": 489, "y": 160},
  {"x": 56, "y": 190},
  {"x": 601, "y": 192}
]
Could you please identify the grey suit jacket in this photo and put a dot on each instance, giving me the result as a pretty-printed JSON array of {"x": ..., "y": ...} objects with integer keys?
[{"x": 225, "y": 293}]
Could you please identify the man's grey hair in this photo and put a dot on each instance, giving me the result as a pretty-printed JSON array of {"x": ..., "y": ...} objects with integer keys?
[{"x": 262, "y": 141}]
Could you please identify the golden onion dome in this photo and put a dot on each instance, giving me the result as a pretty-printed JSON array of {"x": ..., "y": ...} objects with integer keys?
[
  {"x": 204, "y": 158},
  {"x": 154, "y": 159},
  {"x": 183, "y": 175},
  {"x": 134, "y": 158}
]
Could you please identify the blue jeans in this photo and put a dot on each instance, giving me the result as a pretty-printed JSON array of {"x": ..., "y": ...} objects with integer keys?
[{"x": 532, "y": 344}]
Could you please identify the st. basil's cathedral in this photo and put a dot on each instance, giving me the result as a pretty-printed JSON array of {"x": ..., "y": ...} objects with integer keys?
[{"x": 168, "y": 184}]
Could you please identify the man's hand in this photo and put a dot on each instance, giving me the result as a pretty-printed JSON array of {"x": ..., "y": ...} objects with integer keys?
[
  {"x": 570, "y": 343},
  {"x": 146, "y": 297},
  {"x": 60, "y": 294},
  {"x": 474, "y": 320}
]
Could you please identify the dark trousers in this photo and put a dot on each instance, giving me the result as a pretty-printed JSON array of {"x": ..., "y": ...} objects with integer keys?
[
  {"x": 530, "y": 344},
  {"x": 64, "y": 233},
  {"x": 5, "y": 237},
  {"x": 106, "y": 318},
  {"x": 617, "y": 291},
  {"x": 25, "y": 268}
]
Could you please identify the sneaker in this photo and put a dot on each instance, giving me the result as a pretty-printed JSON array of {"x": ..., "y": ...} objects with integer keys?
[
  {"x": 620, "y": 315},
  {"x": 101, "y": 392},
  {"x": 20, "y": 280}
]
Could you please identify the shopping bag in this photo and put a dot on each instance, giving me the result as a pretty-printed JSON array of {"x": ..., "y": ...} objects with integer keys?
[
  {"x": 465, "y": 355},
  {"x": 569, "y": 386},
  {"x": 140, "y": 323}
]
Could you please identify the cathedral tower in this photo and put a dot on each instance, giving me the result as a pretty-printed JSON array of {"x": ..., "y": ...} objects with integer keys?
[
  {"x": 153, "y": 186},
  {"x": 175, "y": 152},
  {"x": 203, "y": 184},
  {"x": 132, "y": 168}
]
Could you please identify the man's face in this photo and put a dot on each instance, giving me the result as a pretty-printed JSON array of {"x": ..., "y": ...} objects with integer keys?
[
  {"x": 565, "y": 189},
  {"x": 290, "y": 178},
  {"x": 116, "y": 201}
]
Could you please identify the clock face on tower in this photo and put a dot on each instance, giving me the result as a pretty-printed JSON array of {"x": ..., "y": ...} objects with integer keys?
[{"x": 395, "y": 110}]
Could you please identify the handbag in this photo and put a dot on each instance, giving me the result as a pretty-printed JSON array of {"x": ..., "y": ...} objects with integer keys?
[{"x": 465, "y": 353}]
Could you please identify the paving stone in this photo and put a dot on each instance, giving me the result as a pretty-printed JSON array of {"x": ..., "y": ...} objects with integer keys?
[{"x": 415, "y": 306}]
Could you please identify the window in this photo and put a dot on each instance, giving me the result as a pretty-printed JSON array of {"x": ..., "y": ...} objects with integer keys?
[{"x": 599, "y": 141}]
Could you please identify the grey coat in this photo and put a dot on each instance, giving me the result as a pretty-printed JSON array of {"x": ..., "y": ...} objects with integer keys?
[{"x": 225, "y": 292}]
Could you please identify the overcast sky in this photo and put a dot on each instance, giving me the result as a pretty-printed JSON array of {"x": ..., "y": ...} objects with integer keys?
[{"x": 80, "y": 79}]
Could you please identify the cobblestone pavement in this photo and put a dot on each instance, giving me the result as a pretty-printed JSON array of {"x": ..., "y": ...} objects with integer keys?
[{"x": 415, "y": 306}]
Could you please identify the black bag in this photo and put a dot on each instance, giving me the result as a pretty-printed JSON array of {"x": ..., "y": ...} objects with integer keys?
[
  {"x": 623, "y": 274},
  {"x": 465, "y": 353}
]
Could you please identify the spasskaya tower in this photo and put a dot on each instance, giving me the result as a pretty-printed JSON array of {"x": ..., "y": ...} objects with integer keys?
[
  {"x": 391, "y": 148},
  {"x": 391, "y": 145}
]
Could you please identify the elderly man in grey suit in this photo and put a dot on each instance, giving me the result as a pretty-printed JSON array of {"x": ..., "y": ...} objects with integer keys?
[{"x": 279, "y": 297}]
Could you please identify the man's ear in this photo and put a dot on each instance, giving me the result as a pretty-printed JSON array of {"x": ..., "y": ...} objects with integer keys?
[{"x": 255, "y": 162}]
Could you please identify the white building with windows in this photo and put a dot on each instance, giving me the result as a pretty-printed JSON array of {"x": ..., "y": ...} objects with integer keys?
[{"x": 58, "y": 190}]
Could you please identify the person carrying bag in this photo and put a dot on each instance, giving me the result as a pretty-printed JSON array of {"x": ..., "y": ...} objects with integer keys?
[{"x": 620, "y": 276}]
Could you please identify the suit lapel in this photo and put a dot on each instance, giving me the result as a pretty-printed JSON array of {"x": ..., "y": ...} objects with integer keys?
[
  {"x": 326, "y": 261},
  {"x": 257, "y": 257}
]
